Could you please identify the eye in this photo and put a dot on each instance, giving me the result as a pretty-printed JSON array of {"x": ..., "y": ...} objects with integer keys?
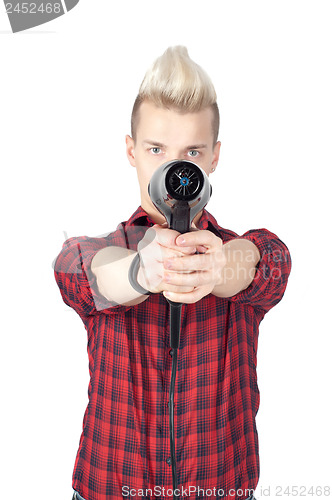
[
  {"x": 155, "y": 150},
  {"x": 195, "y": 153}
]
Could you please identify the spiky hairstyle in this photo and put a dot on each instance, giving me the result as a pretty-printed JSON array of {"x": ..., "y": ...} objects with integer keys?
[{"x": 175, "y": 81}]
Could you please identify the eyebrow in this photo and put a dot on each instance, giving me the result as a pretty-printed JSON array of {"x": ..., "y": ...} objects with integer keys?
[{"x": 160, "y": 145}]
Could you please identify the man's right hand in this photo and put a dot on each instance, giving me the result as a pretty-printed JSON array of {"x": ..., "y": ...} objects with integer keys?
[{"x": 157, "y": 246}]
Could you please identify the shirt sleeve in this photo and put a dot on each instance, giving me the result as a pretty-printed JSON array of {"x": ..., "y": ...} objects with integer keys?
[
  {"x": 76, "y": 281},
  {"x": 272, "y": 271}
]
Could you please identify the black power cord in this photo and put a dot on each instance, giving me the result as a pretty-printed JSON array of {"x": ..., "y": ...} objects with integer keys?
[
  {"x": 175, "y": 324},
  {"x": 171, "y": 418}
]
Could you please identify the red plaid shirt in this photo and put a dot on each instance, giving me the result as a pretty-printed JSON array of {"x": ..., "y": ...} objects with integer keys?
[{"x": 124, "y": 448}]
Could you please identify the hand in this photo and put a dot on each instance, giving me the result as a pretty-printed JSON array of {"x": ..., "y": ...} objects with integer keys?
[
  {"x": 192, "y": 277},
  {"x": 157, "y": 246}
]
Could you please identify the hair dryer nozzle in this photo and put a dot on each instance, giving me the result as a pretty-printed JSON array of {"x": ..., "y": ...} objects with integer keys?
[
  {"x": 184, "y": 181},
  {"x": 179, "y": 189}
]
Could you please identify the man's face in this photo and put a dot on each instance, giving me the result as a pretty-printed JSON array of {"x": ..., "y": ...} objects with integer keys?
[{"x": 164, "y": 135}]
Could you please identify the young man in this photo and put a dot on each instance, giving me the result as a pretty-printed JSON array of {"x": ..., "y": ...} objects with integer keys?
[{"x": 226, "y": 289}]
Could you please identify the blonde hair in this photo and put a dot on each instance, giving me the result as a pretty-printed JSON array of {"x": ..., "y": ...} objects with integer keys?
[{"x": 175, "y": 81}]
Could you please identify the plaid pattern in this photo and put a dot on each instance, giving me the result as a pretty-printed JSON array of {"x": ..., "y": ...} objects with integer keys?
[{"x": 125, "y": 440}]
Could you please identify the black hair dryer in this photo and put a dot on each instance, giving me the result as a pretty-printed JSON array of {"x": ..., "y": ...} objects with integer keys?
[{"x": 179, "y": 189}]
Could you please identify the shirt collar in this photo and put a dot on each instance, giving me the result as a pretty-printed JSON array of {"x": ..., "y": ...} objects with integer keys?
[{"x": 140, "y": 217}]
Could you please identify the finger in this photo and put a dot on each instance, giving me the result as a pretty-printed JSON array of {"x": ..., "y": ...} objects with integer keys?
[
  {"x": 194, "y": 262},
  {"x": 152, "y": 262},
  {"x": 176, "y": 289},
  {"x": 175, "y": 251},
  {"x": 194, "y": 279},
  {"x": 200, "y": 249},
  {"x": 162, "y": 287},
  {"x": 186, "y": 298},
  {"x": 160, "y": 234},
  {"x": 161, "y": 254},
  {"x": 151, "y": 279},
  {"x": 195, "y": 238},
  {"x": 165, "y": 236}
]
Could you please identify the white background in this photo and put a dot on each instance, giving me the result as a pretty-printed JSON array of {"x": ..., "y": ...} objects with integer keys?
[{"x": 66, "y": 93}]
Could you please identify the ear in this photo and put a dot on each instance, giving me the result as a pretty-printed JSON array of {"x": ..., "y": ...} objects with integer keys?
[
  {"x": 216, "y": 153},
  {"x": 130, "y": 149}
]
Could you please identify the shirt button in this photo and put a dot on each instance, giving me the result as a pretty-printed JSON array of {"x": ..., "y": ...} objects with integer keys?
[
  {"x": 171, "y": 352},
  {"x": 168, "y": 460}
]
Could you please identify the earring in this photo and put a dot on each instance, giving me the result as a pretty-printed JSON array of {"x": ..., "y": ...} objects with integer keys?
[{"x": 212, "y": 169}]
